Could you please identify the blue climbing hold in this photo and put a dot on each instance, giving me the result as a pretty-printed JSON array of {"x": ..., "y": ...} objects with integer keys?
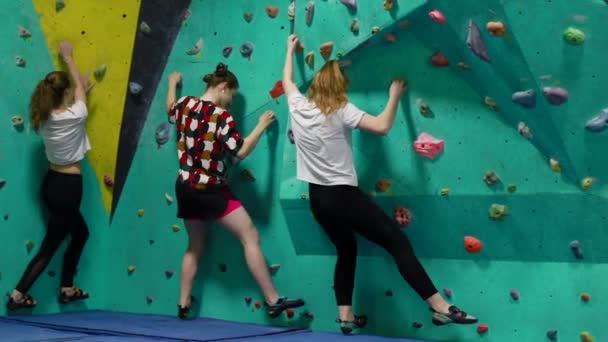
[
  {"x": 475, "y": 42},
  {"x": 163, "y": 132},
  {"x": 575, "y": 245},
  {"x": 599, "y": 122},
  {"x": 526, "y": 98},
  {"x": 247, "y": 49},
  {"x": 227, "y": 51},
  {"x": 135, "y": 88}
]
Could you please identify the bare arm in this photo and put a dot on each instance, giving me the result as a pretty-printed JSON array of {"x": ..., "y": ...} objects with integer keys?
[
  {"x": 174, "y": 79},
  {"x": 383, "y": 123},
  {"x": 288, "y": 84},
  {"x": 252, "y": 139},
  {"x": 65, "y": 50}
]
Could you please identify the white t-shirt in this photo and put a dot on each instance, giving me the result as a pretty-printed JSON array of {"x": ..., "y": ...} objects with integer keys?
[
  {"x": 64, "y": 135},
  {"x": 323, "y": 142}
]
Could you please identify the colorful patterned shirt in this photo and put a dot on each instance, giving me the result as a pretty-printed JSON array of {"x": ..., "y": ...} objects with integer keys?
[{"x": 206, "y": 136}]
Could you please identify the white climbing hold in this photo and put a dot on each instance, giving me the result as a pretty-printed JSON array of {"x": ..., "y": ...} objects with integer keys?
[
  {"x": 168, "y": 198},
  {"x": 354, "y": 27},
  {"x": 144, "y": 27},
  {"x": 23, "y": 32},
  {"x": 352, "y": 4},
  {"x": 19, "y": 61},
  {"x": 524, "y": 130},
  {"x": 196, "y": 48},
  {"x": 291, "y": 11},
  {"x": 135, "y": 88}
]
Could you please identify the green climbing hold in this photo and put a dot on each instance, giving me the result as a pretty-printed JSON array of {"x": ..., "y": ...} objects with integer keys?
[
  {"x": 498, "y": 211},
  {"x": 574, "y": 36},
  {"x": 100, "y": 71}
]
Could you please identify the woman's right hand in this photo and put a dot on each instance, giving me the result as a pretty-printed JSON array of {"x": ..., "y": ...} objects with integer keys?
[
  {"x": 65, "y": 50},
  {"x": 175, "y": 77},
  {"x": 267, "y": 119},
  {"x": 398, "y": 87},
  {"x": 292, "y": 42}
]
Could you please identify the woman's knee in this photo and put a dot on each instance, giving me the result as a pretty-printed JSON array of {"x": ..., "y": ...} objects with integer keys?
[{"x": 250, "y": 236}]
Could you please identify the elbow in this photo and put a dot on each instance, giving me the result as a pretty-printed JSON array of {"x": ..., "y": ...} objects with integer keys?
[{"x": 383, "y": 130}]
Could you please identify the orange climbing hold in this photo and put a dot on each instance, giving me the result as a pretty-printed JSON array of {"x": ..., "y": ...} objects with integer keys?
[
  {"x": 585, "y": 297},
  {"x": 472, "y": 244},
  {"x": 326, "y": 49},
  {"x": 496, "y": 28},
  {"x": 383, "y": 185},
  {"x": 439, "y": 60},
  {"x": 277, "y": 90},
  {"x": 272, "y": 11}
]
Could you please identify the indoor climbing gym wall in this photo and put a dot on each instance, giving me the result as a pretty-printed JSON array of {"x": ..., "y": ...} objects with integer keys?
[{"x": 495, "y": 167}]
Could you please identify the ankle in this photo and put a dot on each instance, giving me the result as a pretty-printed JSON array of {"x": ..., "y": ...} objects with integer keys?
[
  {"x": 272, "y": 299},
  {"x": 443, "y": 308},
  {"x": 17, "y": 296}
]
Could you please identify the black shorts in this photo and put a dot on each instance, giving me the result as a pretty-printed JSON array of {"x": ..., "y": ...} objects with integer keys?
[{"x": 209, "y": 204}]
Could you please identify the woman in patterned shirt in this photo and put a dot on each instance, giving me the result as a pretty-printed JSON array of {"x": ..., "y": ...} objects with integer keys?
[{"x": 207, "y": 137}]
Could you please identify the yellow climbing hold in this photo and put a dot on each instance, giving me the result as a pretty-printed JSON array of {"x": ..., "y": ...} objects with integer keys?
[
  {"x": 586, "y": 337},
  {"x": 176, "y": 228},
  {"x": 310, "y": 59},
  {"x": 444, "y": 191},
  {"x": 388, "y": 4},
  {"x": 587, "y": 182},
  {"x": 140, "y": 212},
  {"x": 131, "y": 268},
  {"x": 375, "y": 29},
  {"x": 555, "y": 165},
  {"x": 29, "y": 245}
]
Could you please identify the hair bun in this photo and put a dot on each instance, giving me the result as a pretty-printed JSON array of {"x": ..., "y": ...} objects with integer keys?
[
  {"x": 221, "y": 70},
  {"x": 207, "y": 78}
]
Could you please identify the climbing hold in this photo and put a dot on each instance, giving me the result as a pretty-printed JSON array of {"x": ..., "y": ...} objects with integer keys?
[
  {"x": 20, "y": 61},
  {"x": 310, "y": 12},
  {"x": 390, "y": 37},
  {"x": 168, "y": 198},
  {"x": 514, "y": 294},
  {"x": 59, "y": 5},
  {"x": 248, "y": 300},
  {"x": 496, "y": 28},
  {"x": 448, "y": 292},
  {"x": 345, "y": 63},
  {"x": 247, "y": 49},
  {"x": 491, "y": 103},
  {"x": 524, "y": 130},
  {"x": 482, "y": 328},
  {"x": 149, "y": 299},
  {"x": 144, "y": 27},
  {"x": 586, "y": 337},
  {"x": 388, "y": 293},
  {"x": 403, "y": 216},
  {"x": 290, "y": 313},
  {"x": 352, "y": 4},
  {"x": 498, "y": 211},
  {"x": 428, "y": 146},
  {"x": 140, "y": 212},
  {"x": 555, "y": 95},
  {"x": 151, "y": 242},
  {"x": 438, "y": 16},
  {"x": 303, "y": 196},
  {"x": 100, "y": 71},
  {"x": 417, "y": 325},
  {"x": 587, "y": 182},
  {"x": 383, "y": 185},
  {"x": 576, "y": 248},
  {"x": 17, "y": 122},
  {"x": 131, "y": 269},
  {"x": 526, "y": 98},
  {"x": 464, "y": 66},
  {"x": 310, "y": 59},
  {"x": 574, "y": 36},
  {"x": 277, "y": 90},
  {"x": 439, "y": 60},
  {"x": 472, "y": 244},
  {"x": 309, "y": 315},
  {"x": 248, "y": 16},
  {"x": 290, "y": 136},
  {"x": 272, "y": 11},
  {"x": 326, "y": 49},
  {"x": 163, "y": 132},
  {"x": 552, "y": 335},
  {"x": 554, "y": 164},
  {"x": 196, "y": 48},
  {"x": 23, "y": 32},
  {"x": 512, "y": 188},
  {"x": 5, "y": 217},
  {"x": 29, "y": 245},
  {"x": 247, "y": 175},
  {"x": 491, "y": 178},
  {"x": 299, "y": 47},
  {"x": 444, "y": 191},
  {"x": 475, "y": 42},
  {"x": 274, "y": 268},
  {"x": 585, "y": 297},
  {"x": 51, "y": 273},
  {"x": 135, "y": 88},
  {"x": 424, "y": 109},
  {"x": 257, "y": 304},
  {"x": 599, "y": 122},
  {"x": 108, "y": 181},
  {"x": 168, "y": 273},
  {"x": 186, "y": 15},
  {"x": 227, "y": 51},
  {"x": 175, "y": 228},
  {"x": 375, "y": 29},
  {"x": 388, "y": 5},
  {"x": 354, "y": 26},
  {"x": 291, "y": 11},
  {"x": 223, "y": 267},
  {"x": 404, "y": 24},
  {"x": 2, "y": 183}
]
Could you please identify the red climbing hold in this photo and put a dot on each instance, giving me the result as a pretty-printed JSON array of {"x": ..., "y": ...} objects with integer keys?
[
  {"x": 290, "y": 313},
  {"x": 438, "y": 16},
  {"x": 326, "y": 49},
  {"x": 277, "y": 90},
  {"x": 472, "y": 244},
  {"x": 482, "y": 328},
  {"x": 403, "y": 216},
  {"x": 585, "y": 297},
  {"x": 108, "y": 180},
  {"x": 258, "y": 304},
  {"x": 439, "y": 60}
]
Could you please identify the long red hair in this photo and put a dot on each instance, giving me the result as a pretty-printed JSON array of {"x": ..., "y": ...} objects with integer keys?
[{"x": 328, "y": 88}]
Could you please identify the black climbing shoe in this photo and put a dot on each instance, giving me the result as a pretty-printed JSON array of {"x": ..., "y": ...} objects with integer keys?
[
  {"x": 455, "y": 315},
  {"x": 184, "y": 311},
  {"x": 281, "y": 305},
  {"x": 347, "y": 327},
  {"x": 78, "y": 294},
  {"x": 27, "y": 302}
]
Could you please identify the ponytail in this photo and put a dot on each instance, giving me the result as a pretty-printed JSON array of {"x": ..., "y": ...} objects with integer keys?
[{"x": 48, "y": 95}]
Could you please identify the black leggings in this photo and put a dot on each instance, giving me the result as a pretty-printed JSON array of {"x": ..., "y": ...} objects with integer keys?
[
  {"x": 61, "y": 194},
  {"x": 343, "y": 210}
]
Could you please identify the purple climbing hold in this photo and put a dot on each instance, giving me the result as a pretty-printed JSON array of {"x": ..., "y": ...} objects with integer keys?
[
  {"x": 290, "y": 136},
  {"x": 163, "y": 132},
  {"x": 2, "y": 183},
  {"x": 169, "y": 273},
  {"x": 552, "y": 334},
  {"x": 248, "y": 300},
  {"x": 526, "y": 98},
  {"x": 475, "y": 42},
  {"x": 417, "y": 325},
  {"x": 227, "y": 51},
  {"x": 576, "y": 249},
  {"x": 352, "y": 4},
  {"x": 514, "y": 294},
  {"x": 556, "y": 95},
  {"x": 599, "y": 122},
  {"x": 447, "y": 292},
  {"x": 310, "y": 12}
]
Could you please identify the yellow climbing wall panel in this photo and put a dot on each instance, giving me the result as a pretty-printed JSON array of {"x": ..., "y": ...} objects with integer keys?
[{"x": 102, "y": 32}]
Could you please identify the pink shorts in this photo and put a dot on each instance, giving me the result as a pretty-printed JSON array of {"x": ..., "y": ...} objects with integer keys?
[{"x": 233, "y": 204}]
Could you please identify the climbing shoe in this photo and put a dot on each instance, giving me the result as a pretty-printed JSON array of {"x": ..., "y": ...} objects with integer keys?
[
  {"x": 27, "y": 302},
  {"x": 282, "y": 304},
  {"x": 183, "y": 312},
  {"x": 455, "y": 315},
  {"x": 347, "y": 327},
  {"x": 78, "y": 294}
]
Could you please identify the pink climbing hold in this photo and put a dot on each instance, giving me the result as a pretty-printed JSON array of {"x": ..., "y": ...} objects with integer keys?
[
  {"x": 352, "y": 4},
  {"x": 403, "y": 216},
  {"x": 108, "y": 181},
  {"x": 439, "y": 60},
  {"x": 428, "y": 146},
  {"x": 472, "y": 244},
  {"x": 438, "y": 16},
  {"x": 514, "y": 294},
  {"x": 448, "y": 292},
  {"x": 556, "y": 95},
  {"x": 248, "y": 300}
]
